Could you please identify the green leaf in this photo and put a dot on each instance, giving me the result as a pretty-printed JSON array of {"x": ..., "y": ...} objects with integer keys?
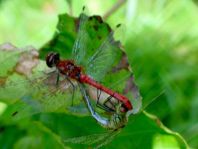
[
  {"x": 94, "y": 33},
  {"x": 141, "y": 129}
]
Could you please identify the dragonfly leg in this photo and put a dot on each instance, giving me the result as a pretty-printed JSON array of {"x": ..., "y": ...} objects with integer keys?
[
  {"x": 98, "y": 95},
  {"x": 98, "y": 104},
  {"x": 73, "y": 89},
  {"x": 109, "y": 100},
  {"x": 105, "y": 108},
  {"x": 57, "y": 79},
  {"x": 48, "y": 73},
  {"x": 102, "y": 120},
  {"x": 116, "y": 121},
  {"x": 51, "y": 73}
]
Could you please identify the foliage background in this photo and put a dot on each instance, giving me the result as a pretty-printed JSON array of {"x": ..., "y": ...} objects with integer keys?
[{"x": 161, "y": 46}]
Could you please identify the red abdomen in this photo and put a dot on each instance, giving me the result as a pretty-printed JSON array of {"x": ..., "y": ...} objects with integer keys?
[{"x": 126, "y": 102}]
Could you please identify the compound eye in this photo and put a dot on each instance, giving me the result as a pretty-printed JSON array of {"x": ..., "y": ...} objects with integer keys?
[{"x": 52, "y": 59}]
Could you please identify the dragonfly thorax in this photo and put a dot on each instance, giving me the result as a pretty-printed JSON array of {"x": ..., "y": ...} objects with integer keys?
[{"x": 67, "y": 67}]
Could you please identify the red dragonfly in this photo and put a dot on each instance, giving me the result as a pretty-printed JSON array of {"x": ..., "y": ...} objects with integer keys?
[
  {"x": 85, "y": 71},
  {"x": 70, "y": 70},
  {"x": 95, "y": 68}
]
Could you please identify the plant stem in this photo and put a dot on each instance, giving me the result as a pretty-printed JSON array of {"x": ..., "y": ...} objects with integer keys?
[
  {"x": 114, "y": 8},
  {"x": 69, "y": 2}
]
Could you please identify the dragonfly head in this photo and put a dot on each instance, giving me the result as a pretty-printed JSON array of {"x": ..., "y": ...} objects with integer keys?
[{"x": 52, "y": 59}]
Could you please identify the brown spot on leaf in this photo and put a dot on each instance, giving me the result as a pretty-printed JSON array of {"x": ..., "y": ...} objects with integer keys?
[
  {"x": 7, "y": 47},
  {"x": 77, "y": 24},
  {"x": 99, "y": 37},
  {"x": 132, "y": 87},
  {"x": 99, "y": 18},
  {"x": 109, "y": 28},
  {"x": 95, "y": 27},
  {"x": 2, "y": 81},
  {"x": 123, "y": 64},
  {"x": 27, "y": 61},
  {"x": 91, "y": 18}
]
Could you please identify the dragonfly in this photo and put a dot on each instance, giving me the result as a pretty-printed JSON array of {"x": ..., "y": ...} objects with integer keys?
[
  {"x": 72, "y": 70},
  {"x": 53, "y": 88},
  {"x": 68, "y": 68}
]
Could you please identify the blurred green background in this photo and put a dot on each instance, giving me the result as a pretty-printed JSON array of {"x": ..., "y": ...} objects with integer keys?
[{"x": 160, "y": 41}]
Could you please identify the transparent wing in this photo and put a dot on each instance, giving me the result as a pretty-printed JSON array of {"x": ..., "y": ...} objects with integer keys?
[
  {"x": 104, "y": 58},
  {"x": 40, "y": 94},
  {"x": 36, "y": 91},
  {"x": 81, "y": 42},
  {"x": 95, "y": 47},
  {"x": 96, "y": 140}
]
